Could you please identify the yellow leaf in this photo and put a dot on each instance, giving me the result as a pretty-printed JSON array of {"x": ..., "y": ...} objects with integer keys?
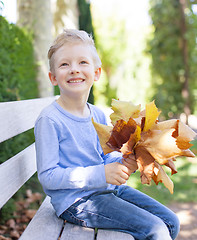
[
  {"x": 104, "y": 133},
  {"x": 123, "y": 110},
  {"x": 152, "y": 114},
  {"x": 161, "y": 176}
]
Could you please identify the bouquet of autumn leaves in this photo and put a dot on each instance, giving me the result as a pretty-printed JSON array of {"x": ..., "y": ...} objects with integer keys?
[{"x": 154, "y": 143}]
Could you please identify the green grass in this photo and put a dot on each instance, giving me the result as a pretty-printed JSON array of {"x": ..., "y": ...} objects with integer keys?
[{"x": 185, "y": 182}]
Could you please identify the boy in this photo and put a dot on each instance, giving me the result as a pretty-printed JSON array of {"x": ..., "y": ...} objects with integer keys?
[{"x": 86, "y": 187}]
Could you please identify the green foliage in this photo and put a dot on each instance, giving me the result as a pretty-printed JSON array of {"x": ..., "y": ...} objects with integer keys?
[
  {"x": 17, "y": 65},
  {"x": 17, "y": 82},
  {"x": 168, "y": 63},
  {"x": 17, "y": 78}
]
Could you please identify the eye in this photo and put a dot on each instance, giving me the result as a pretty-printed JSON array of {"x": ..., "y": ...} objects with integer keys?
[
  {"x": 64, "y": 64},
  {"x": 83, "y": 62}
]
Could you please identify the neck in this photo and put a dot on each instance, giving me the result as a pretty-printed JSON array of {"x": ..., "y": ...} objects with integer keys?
[{"x": 77, "y": 107}]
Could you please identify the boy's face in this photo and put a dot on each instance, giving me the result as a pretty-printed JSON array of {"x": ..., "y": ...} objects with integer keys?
[{"x": 74, "y": 69}]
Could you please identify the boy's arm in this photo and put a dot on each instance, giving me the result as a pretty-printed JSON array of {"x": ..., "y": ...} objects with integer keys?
[{"x": 50, "y": 172}]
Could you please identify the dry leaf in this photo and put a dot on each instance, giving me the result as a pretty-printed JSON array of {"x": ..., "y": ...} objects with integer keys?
[
  {"x": 152, "y": 114},
  {"x": 123, "y": 110},
  {"x": 104, "y": 133},
  {"x": 161, "y": 176},
  {"x": 162, "y": 145},
  {"x": 121, "y": 133},
  {"x": 154, "y": 143},
  {"x": 171, "y": 165},
  {"x": 145, "y": 164}
]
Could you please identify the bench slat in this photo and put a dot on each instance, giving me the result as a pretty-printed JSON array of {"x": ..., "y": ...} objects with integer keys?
[
  {"x": 19, "y": 116},
  {"x": 45, "y": 225},
  {"x": 74, "y": 232},
  {"x": 15, "y": 172},
  {"x": 111, "y": 235}
]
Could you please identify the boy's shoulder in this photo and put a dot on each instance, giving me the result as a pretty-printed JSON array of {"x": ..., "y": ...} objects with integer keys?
[
  {"x": 97, "y": 114},
  {"x": 49, "y": 111}
]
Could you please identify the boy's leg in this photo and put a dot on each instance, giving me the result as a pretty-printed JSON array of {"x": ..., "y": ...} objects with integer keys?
[
  {"x": 151, "y": 205},
  {"x": 106, "y": 210}
]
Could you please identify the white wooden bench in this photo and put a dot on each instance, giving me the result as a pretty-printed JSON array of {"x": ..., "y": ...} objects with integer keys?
[{"x": 17, "y": 117}]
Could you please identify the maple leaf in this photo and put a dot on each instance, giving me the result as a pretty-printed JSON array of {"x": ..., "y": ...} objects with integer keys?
[
  {"x": 152, "y": 142},
  {"x": 121, "y": 133},
  {"x": 161, "y": 176},
  {"x": 162, "y": 145},
  {"x": 152, "y": 114},
  {"x": 145, "y": 164},
  {"x": 171, "y": 165},
  {"x": 123, "y": 110}
]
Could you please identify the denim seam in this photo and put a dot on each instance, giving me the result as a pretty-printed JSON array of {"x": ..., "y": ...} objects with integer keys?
[{"x": 76, "y": 217}]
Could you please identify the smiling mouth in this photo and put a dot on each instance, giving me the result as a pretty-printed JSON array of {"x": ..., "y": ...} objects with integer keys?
[{"x": 75, "y": 80}]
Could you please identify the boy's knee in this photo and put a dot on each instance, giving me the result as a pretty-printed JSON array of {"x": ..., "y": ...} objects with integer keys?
[
  {"x": 174, "y": 226},
  {"x": 159, "y": 231}
]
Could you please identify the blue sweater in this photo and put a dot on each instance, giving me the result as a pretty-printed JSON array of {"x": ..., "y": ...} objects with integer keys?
[{"x": 70, "y": 160}]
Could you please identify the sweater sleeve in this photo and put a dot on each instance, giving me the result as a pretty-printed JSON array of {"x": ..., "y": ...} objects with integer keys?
[{"x": 51, "y": 173}]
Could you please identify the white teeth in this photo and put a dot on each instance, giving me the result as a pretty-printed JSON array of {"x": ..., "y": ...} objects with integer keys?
[{"x": 75, "y": 81}]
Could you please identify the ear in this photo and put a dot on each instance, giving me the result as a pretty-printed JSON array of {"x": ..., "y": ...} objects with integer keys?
[
  {"x": 52, "y": 79},
  {"x": 97, "y": 74}
]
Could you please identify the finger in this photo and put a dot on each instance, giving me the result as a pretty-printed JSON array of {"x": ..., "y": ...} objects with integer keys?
[
  {"x": 121, "y": 181},
  {"x": 125, "y": 169},
  {"x": 124, "y": 176}
]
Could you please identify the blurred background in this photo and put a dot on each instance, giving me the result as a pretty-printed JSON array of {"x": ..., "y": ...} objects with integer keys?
[{"x": 148, "y": 50}]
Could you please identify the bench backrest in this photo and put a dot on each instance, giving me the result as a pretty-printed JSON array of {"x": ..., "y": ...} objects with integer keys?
[{"x": 17, "y": 117}]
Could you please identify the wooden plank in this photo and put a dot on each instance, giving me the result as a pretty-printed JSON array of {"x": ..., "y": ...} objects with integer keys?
[
  {"x": 15, "y": 172},
  {"x": 111, "y": 235},
  {"x": 44, "y": 225},
  {"x": 19, "y": 116},
  {"x": 75, "y": 232}
]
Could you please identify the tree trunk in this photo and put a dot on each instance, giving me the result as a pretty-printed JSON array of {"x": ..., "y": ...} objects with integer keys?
[
  {"x": 185, "y": 90},
  {"x": 36, "y": 17},
  {"x": 65, "y": 15}
]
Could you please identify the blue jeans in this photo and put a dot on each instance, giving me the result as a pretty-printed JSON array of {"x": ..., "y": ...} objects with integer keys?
[{"x": 125, "y": 209}]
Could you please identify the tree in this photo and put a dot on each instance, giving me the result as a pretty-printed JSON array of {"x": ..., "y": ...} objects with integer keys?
[
  {"x": 172, "y": 48},
  {"x": 65, "y": 15},
  {"x": 111, "y": 40},
  {"x": 85, "y": 23},
  {"x": 36, "y": 17}
]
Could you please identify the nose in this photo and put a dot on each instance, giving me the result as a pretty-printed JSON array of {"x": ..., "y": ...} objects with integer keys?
[{"x": 74, "y": 69}]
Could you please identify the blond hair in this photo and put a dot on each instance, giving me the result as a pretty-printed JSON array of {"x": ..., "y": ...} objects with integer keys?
[{"x": 73, "y": 36}]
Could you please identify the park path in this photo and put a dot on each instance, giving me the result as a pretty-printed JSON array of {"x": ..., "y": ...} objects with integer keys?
[{"x": 187, "y": 214}]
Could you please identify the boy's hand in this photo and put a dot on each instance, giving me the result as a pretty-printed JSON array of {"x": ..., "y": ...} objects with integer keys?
[
  {"x": 130, "y": 163},
  {"x": 116, "y": 173}
]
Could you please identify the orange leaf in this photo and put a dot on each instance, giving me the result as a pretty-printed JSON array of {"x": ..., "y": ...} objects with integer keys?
[
  {"x": 161, "y": 176},
  {"x": 145, "y": 164},
  {"x": 171, "y": 165},
  {"x": 162, "y": 145}
]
